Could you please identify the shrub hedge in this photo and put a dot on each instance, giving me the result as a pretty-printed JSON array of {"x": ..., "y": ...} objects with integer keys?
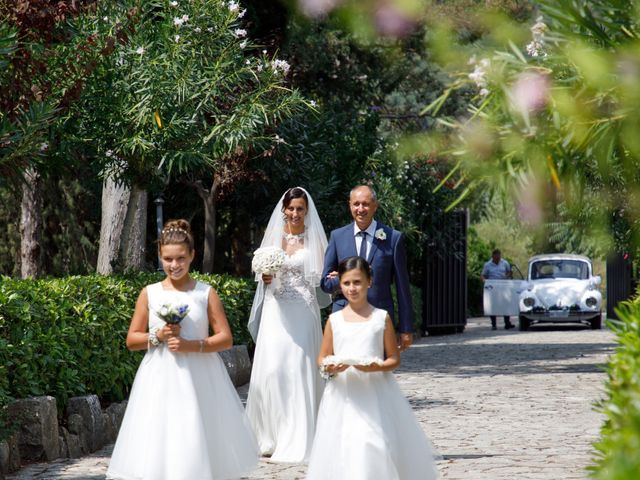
[
  {"x": 618, "y": 447},
  {"x": 66, "y": 336}
]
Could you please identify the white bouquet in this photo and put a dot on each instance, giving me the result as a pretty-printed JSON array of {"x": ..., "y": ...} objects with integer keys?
[
  {"x": 363, "y": 361},
  {"x": 268, "y": 260},
  {"x": 339, "y": 360}
]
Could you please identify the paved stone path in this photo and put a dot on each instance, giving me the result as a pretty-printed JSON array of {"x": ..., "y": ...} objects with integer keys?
[{"x": 497, "y": 405}]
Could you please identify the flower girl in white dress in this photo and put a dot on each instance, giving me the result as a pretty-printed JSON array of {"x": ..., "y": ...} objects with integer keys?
[
  {"x": 366, "y": 429},
  {"x": 184, "y": 420}
]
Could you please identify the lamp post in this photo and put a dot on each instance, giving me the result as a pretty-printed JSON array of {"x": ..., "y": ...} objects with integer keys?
[{"x": 159, "y": 201}]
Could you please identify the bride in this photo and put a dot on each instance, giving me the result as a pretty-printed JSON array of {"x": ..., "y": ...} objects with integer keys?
[{"x": 285, "y": 387}]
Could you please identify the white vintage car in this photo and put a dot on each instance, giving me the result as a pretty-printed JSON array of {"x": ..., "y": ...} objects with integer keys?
[{"x": 560, "y": 288}]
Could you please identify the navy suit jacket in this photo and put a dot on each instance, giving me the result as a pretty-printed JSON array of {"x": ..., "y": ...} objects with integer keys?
[{"x": 388, "y": 260}]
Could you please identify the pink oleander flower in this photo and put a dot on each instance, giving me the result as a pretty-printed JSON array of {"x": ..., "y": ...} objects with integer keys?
[
  {"x": 530, "y": 92},
  {"x": 318, "y": 8},
  {"x": 392, "y": 22}
]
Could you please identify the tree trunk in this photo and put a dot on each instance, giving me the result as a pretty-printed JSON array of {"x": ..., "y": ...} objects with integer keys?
[
  {"x": 134, "y": 235},
  {"x": 115, "y": 199},
  {"x": 209, "y": 199},
  {"x": 30, "y": 224}
]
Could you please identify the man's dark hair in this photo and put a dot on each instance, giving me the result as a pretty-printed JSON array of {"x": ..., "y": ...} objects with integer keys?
[{"x": 496, "y": 252}]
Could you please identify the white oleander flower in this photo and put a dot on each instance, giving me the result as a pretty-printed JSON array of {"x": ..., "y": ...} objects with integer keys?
[
  {"x": 536, "y": 47},
  {"x": 281, "y": 65},
  {"x": 173, "y": 4},
  {"x": 140, "y": 50},
  {"x": 44, "y": 146},
  {"x": 380, "y": 234},
  {"x": 243, "y": 44},
  {"x": 240, "y": 32},
  {"x": 233, "y": 6},
  {"x": 177, "y": 38},
  {"x": 479, "y": 75},
  {"x": 197, "y": 29}
]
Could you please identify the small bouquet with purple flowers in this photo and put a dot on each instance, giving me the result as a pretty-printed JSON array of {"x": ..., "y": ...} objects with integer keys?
[{"x": 173, "y": 314}]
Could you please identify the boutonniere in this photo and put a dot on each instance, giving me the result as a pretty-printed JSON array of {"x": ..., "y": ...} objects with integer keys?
[{"x": 380, "y": 235}]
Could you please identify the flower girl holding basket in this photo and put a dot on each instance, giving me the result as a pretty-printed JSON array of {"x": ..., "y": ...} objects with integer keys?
[{"x": 366, "y": 429}]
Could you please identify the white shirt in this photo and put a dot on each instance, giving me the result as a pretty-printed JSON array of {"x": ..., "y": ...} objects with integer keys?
[{"x": 371, "y": 231}]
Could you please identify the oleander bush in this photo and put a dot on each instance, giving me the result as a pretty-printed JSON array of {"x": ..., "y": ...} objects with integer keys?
[
  {"x": 617, "y": 450},
  {"x": 66, "y": 336}
]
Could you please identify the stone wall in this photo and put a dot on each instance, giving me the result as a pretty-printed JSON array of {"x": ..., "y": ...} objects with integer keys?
[{"x": 40, "y": 436}]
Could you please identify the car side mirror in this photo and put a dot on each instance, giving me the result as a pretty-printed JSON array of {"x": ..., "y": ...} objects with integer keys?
[{"x": 597, "y": 280}]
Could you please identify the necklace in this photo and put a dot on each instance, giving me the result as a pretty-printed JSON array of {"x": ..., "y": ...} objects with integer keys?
[{"x": 293, "y": 238}]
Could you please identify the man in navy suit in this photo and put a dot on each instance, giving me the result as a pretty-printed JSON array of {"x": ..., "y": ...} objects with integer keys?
[{"x": 383, "y": 247}]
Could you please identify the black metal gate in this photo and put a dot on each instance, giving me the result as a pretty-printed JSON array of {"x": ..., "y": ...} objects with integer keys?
[
  {"x": 619, "y": 281},
  {"x": 444, "y": 291}
]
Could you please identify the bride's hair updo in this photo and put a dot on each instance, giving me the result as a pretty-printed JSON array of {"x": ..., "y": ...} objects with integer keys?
[
  {"x": 355, "y": 263},
  {"x": 295, "y": 192},
  {"x": 176, "y": 232}
]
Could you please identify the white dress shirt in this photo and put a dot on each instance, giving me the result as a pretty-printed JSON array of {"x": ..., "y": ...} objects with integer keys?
[{"x": 371, "y": 231}]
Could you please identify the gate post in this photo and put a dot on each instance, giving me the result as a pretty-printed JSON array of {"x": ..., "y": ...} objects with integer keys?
[
  {"x": 444, "y": 289},
  {"x": 619, "y": 281}
]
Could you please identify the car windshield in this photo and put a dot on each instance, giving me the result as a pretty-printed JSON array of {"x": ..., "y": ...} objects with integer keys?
[{"x": 559, "y": 269}]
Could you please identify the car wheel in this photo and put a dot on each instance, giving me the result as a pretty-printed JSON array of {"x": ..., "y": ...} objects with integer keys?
[
  {"x": 523, "y": 323},
  {"x": 596, "y": 322}
]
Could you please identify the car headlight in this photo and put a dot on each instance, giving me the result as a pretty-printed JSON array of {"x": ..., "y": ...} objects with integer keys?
[
  {"x": 529, "y": 302},
  {"x": 591, "y": 302}
]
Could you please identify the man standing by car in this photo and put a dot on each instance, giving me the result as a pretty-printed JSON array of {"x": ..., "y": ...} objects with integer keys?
[{"x": 497, "y": 269}]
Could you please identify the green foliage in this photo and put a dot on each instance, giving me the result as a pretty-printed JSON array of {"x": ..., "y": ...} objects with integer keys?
[
  {"x": 71, "y": 216},
  {"x": 183, "y": 91},
  {"x": 9, "y": 233},
  {"x": 66, "y": 337},
  {"x": 618, "y": 448},
  {"x": 416, "y": 298},
  {"x": 554, "y": 122},
  {"x": 478, "y": 253}
]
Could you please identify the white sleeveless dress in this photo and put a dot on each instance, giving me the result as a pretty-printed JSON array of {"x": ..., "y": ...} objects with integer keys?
[
  {"x": 285, "y": 388},
  {"x": 366, "y": 429},
  {"x": 184, "y": 420}
]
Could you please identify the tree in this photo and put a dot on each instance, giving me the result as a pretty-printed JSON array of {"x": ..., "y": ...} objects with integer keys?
[
  {"x": 38, "y": 82},
  {"x": 185, "y": 97}
]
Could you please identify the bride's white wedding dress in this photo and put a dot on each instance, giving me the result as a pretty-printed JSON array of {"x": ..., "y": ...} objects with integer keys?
[
  {"x": 366, "y": 429},
  {"x": 285, "y": 387}
]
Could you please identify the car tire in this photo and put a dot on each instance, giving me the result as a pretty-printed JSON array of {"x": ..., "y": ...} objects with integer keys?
[
  {"x": 596, "y": 322},
  {"x": 523, "y": 323}
]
